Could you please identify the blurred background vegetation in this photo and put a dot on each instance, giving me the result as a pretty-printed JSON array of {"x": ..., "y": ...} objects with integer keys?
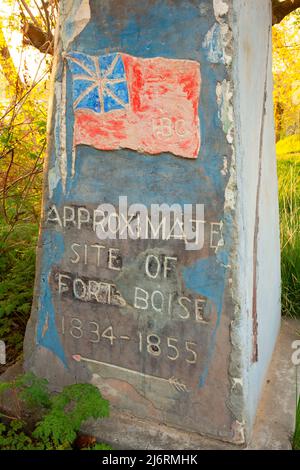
[
  {"x": 286, "y": 69},
  {"x": 26, "y": 48}
]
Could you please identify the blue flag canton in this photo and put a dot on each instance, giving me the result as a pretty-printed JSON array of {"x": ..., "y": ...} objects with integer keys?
[{"x": 99, "y": 83}]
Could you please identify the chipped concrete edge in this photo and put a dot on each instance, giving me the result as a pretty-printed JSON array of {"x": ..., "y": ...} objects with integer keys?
[
  {"x": 225, "y": 98},
  {"x": 29, "y": 344}
]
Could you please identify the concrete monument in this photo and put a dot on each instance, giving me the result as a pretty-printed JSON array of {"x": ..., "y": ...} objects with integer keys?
[{"x": 158, "y": 274}]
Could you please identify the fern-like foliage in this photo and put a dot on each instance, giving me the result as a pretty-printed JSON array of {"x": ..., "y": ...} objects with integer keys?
[
  {"x": 62, "y": 414},
  {"x": 33, "y": 390},
  {"x": 12, "y": 437},
  {"x": 17, "y": 270},
  {"x": 99, "y": 446},
  {"x": 69, "y": 409}
]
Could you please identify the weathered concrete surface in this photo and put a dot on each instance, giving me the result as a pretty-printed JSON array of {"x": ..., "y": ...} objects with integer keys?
[
  {"x": 185, "y": 342},
  {"x": 273, "y": 428}
]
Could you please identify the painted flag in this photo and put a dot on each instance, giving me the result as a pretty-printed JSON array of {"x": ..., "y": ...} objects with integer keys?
[{"x": 147, "y": 105}]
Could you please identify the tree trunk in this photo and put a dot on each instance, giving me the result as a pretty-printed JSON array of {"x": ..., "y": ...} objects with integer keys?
[
  {"x": 283, "y": 8},
  {"x": 8, "y": 69}
]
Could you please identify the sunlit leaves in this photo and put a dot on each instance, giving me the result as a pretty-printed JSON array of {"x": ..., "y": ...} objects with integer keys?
[{"x": 286, "y": 68}]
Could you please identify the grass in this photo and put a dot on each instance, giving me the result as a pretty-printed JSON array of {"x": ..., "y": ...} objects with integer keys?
[
  {"x": 288, "y": 145},
  {"x": 288, "y": 160},
  {"x": 296, "y": 437}
]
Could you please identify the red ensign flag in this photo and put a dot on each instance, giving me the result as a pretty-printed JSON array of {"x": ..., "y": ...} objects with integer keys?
[{"x": 148, "y": 105}]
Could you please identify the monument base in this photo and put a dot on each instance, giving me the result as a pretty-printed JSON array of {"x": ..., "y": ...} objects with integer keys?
[
  {"x": 273, "y": 429},
  {"x": 125, "y": 432}
]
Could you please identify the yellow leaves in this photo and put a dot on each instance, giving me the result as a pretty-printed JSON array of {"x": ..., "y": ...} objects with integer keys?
[
  {"x": 22, "y": 128},
  {"x": 286, "y": 68}
]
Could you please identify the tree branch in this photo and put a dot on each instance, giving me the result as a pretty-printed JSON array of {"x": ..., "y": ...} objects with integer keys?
[
  {"x": 283, "y": 8},
  {"x": 33, "y": 19},
  {"x": 36, "y": 37},
  {"x": 36, "y": 24},
  {"x": 41, "y": 37}
]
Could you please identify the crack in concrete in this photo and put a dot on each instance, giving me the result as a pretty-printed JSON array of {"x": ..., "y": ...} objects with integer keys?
[{"x": 256, "y": 228}]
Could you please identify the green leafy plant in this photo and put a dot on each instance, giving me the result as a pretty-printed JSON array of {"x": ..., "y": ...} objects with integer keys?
[
  {"x": 69, "y": 409},
  {"x": 60, "y": 415},
  {"x": 12, "y": 437},
  {"x": 17, "y": 269},
  {"x": 99, "y": 446},
  {"x": 28, "y": 390}
]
